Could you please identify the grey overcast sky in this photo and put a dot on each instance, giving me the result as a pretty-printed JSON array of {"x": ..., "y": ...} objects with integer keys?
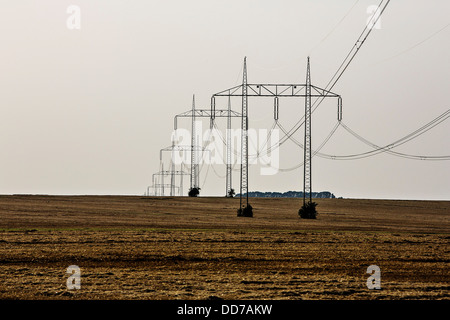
[{"x": 86, "y": 111}]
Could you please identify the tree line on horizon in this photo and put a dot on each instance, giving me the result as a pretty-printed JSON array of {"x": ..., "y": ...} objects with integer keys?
[{"x": 288, "y": 194}]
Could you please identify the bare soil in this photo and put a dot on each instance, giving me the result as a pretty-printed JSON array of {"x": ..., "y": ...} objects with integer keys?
[{"x": 131, "y": 247}]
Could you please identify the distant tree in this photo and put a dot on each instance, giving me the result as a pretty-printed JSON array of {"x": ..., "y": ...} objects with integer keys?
[
  {"x": 231, "y": 193},
  {"x": 308, "y": 210},
  {"x": 245, "y": 211},
  {"x": 193, "y": 192}
]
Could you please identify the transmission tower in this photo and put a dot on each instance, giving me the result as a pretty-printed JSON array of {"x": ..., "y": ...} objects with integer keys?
[
  {"x": 194, "y": 143},
  {"x": 244, "y": 139},
  {"x": 229, "y": 174},
  {"x": 307, "y": 168},
  {"x": 276, "y": 91},
  {"x": 161, "y": 174},
  {"x": 212, "y": 114}
]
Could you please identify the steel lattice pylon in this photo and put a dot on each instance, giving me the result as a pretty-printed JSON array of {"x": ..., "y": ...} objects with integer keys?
[
  {"x": 194, "y": 156},
  {"x": 276, "y": 91},
  {"x": 229, "y": 175},
  {"x": 307, "y": 168},
  {"x": 244, "y": 138},
  {"x": 211, "y": 113}
]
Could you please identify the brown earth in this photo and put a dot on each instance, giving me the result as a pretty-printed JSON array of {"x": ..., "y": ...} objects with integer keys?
[{"x": 131, "y": 247}]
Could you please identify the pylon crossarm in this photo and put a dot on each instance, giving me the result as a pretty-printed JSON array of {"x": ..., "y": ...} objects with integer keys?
[
  {"x": 277, "y": 90},
  {"x": 206, "y": 113}
]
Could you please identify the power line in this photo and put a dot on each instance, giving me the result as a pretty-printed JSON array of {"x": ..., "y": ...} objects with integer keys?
[
  {"x": 377, "y": 149},
  {"x": 335, "y": 27},
  {"x": 417, "y": 44},
  {"x": 358, "y": 44},
  {"x": 387, "y": 148},
  {"x": 347, "y": 60},
  {"x": 315, "y": 152}
]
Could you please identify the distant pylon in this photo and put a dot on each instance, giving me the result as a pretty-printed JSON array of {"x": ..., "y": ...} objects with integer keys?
[
  {"x": 172, "y": 175},
  {"x": 194, "y": 143},
  {"x": 228, "y": 155}
]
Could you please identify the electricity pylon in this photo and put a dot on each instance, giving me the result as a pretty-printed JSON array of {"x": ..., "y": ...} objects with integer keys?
[
  {"x": 213, "y": 114},
  {"x": 276, "y": 91},
  {"x": 194, "y": 143},
  {"x": 307, "y": 168}
]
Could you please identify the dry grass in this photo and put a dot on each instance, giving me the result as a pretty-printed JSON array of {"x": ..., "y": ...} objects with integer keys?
[{"x": 196, "y": 248}]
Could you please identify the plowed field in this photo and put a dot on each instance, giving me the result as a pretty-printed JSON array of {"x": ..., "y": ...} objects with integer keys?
[{"x": 131, "y": 247}]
